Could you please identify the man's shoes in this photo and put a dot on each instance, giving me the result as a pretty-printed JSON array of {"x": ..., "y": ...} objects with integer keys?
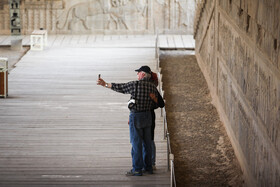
[
  {"x": 147, "y": 171},
  {"x": 133, "y": 173}
]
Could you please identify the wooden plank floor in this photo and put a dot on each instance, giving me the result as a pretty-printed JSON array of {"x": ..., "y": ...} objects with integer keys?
[
  {"x": 165, "y": 41},
  {"x": 176, "y": 42},
  {"x": 57, "y": 127}
]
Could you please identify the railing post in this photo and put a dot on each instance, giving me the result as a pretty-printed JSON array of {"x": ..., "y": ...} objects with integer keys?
[
  {"x": 164, "y": 128},
  {"x": 168, "y": 152},
  {"x": 171, "y": 157},
  {"x": 174, "y": 178},
  {"x": 156, "y": 52}
]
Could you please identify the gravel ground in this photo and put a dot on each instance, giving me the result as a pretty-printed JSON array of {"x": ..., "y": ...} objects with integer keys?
[{"x": 203, "y": 153}]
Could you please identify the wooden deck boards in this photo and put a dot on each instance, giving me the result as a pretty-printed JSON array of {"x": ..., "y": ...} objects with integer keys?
[
  {"x": 165, "y": 41},
  {"x": 176, "y": 42},
  {"x": 57, "y": 127}
]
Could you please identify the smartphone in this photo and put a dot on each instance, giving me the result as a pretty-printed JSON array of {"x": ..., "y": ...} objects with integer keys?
[{"x": 99, "y": 75}]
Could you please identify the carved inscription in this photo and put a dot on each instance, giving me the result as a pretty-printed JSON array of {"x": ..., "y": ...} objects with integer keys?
[
  {"x": 248, "y": 81},
  {"x": 252, "y": 79},
  {"x": 232, "y": 110},
  {"x": 212, "y": 66},
  {"x": 225, "y": 40},
  {"x": 207, "y": 51},
  {"x": 256, "y": 84}
]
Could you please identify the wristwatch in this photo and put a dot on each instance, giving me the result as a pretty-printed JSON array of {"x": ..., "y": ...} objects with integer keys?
[{"x": 106, "y": 85}]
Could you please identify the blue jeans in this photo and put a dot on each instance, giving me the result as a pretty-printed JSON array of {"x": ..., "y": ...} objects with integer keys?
[
  {"x": 153, "y": 142},
  {"x": 153, "y": 153},
  {"x": 140, "y": 138},
  {"x": 153, "y": 146}
]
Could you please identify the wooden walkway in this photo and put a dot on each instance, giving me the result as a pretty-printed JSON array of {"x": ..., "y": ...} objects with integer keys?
[
  {"x": 57, "y": 127},
  {"x": 165, "y": 41}
]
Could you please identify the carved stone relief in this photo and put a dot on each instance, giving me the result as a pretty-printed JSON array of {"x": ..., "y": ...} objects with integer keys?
[
  {"x": 109, "y": 15},
  {"x": 102, "y": 16},
  {"x": 185, "y": 18},
  {"x": 43, "y": 4},
  {"x": 248, "y": 89},
  {"x": 15, "y": 21}
]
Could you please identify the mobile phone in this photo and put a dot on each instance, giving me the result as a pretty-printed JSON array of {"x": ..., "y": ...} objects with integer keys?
[{"x": 99, "y": 75}]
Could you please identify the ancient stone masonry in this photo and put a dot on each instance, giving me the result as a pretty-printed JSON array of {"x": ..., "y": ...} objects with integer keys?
[
  {"x": 104, "y": 16},
  {"x": 238, "y": 52},
  {"x": 2, "y": 3}
]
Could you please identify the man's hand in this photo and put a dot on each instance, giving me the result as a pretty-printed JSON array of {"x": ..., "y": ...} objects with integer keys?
[
  {"x": 153, "y": 97},
  {"x": 101, "y": 82}
]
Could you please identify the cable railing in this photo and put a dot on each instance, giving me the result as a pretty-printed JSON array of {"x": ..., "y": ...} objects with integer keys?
[{"x": 170, "y": 156}]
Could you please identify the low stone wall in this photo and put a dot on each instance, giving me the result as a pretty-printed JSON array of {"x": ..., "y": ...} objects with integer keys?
[
  {"x": 102, "y": 16},
  {"x": 237, "y": 48}
]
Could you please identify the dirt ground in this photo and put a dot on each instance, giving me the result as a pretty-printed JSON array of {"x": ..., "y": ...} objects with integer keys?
[{"x": 203, "y": 153}]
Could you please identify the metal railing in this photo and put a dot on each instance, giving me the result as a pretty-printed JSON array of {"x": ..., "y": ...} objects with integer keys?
[{"x": 170, "y": 156}]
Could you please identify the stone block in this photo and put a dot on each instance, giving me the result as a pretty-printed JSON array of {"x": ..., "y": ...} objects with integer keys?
[
  {"x": 233, "y": 112},
  {"x": 236, "y": 2},
  {"x": 244, "y": 5},
  {"x": 235, "y": 14},
  {"x": 226, "y": 5},
  {"x": 253, "y": 8},
  {"x": 16, "y": 44},
  {"x": 278, "y": 55},
  {"x": 222, "y": 86},
  {"x": 276, "y": 22},
  {"x": 252, "y": 79},
  {"x": 259, "y": 12},
  {"x": 254, "y": 30},
  {"x": 248, "y": 82},
  {"x": 270, "y": 16},
  {"x": 242, "y": 19}
]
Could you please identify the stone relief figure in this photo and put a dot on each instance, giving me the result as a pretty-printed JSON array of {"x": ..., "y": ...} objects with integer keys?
[
  {"x": 162, "y": 2},
  {"x": 106, "y": 14},
  {"x": 78, "y": 14},
  {"x": 142, "y": 7},
  {"x": 186, "y": 17},
  {"x": 117, "y": 13},
  {"x": 183, "y": 12},
  {"x": 120, "y": 9}
]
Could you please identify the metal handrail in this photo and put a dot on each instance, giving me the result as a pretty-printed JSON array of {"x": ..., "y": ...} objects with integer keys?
[{"x": 170, "y": 156}]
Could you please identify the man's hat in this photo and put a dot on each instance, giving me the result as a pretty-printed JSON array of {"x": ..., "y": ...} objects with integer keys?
[{"x": 145, "y": 69}]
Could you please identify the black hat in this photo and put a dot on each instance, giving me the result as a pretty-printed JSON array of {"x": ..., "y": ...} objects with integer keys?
[{"x": 144, "y": 68}]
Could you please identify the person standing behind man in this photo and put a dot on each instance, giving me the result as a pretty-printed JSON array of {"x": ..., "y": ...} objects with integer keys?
[
  {"x": 159, "y": 102},
  {"x": 140, "y": 118}
]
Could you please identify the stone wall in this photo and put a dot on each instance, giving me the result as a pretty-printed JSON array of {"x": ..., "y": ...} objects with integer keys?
[
  {"x": 237, "y": 47},
  {"x": 103, "y": 16}
]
